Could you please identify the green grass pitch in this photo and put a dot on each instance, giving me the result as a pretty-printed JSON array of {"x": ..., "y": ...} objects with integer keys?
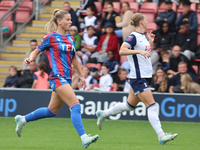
[{"x": 59, "y": 134}]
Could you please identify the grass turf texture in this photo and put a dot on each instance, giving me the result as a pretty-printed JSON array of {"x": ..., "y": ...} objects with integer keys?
[{"x": 59, "y": 134}]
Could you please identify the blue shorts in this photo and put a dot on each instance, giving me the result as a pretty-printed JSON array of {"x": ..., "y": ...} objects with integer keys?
[
  {"x": 140, "y": 85},
  {"x": 58, "y": 81}
]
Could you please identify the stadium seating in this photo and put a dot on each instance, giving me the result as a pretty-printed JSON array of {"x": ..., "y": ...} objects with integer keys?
[
  {"x": 24, "y": 10},
  {"x": 10, "y": 26},
  {"x": 93, "y": 65},
  {"x": 4, "y": 7},
  {"x": 123, "y": 59},
  {"x": 116, "y": 6},
  {"x": 151, "y": 26},
  {"x": 130, "y": 1},
  {"x": 196, "y": 69},
  {"x": 149, "y": 10},
  {"x": 98, "y": 7},
  {"x": 193, "y": 7},
  {"x": 134, "y": 6},
  {"x": 7, "y": 4},
  {"x": 162, "y": 7}
]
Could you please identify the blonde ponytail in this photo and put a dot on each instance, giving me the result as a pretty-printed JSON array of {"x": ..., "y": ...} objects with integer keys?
[
  {"x": 136, "y": 18},
  {"x": 52, "y": 25}
]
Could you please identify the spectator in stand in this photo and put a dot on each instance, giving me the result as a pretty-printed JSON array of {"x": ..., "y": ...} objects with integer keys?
[
  {"x": 33, "y": 46},
  {"x": 40, "y": 77},
  {"x": 126, "y": 66},
  {"x": 106, "y": 80},
  {"x": 188, "y": 85},
  {"x": 188, "y": 15},
  {"x": 175, "y": 59},
  {"x": 11, "y": 80},
  {"x": 109, "y": 16},
  {"x": 84, "y": 5},
  {"x": 74, "y": 18},
  {"x": 77, "y": 38},
  {"x": 108, "y": 41},
  {"x": 168, "y": 15},
  {"x": 160, "y": 81},
  {"x": 120, "y": 82},
  {"x": 89, "y": 45},
  {"x": 75, "y": 78},
  {"x": 44, "y": 58},
  {"x": 165, "y": 59},
  {"x": 165, "y": 38},
  {"x": 90, "y": 20},
  {"x": 187, "y": 40},
  {"x": 127, "y": 29},
  {"x": 175, "y": 83},
  {"x": 112, "y": 63},
  {"x": 154, "y": 59},
  {"x": 88, "y": 79},
  {"x": 26, "y": 78}
]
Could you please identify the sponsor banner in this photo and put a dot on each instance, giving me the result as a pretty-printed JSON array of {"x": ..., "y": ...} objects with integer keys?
[{"x": 171, "y": 107}]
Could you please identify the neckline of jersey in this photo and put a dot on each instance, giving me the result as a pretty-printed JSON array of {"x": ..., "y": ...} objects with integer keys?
[
  {"x": 139, "y": 32},
  {"x": 61, "y": 34}
]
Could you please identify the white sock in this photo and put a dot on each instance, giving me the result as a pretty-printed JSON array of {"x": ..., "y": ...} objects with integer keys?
[
  {"x": 154, "y": 120},
  {"x": 118, "y": 108},
  {"x": 83, "y": 137},
  {"x": 23, "y": 120}
]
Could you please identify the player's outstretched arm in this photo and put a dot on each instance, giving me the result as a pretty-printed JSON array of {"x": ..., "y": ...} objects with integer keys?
[{"x": 32, "y": 56}]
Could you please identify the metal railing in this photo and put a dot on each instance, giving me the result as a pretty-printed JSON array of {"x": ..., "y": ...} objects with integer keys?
[{"x": 36, "y": 7}]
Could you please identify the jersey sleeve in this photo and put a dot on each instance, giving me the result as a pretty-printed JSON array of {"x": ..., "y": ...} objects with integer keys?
[
  {"x": 45, "y": 43},
  {"x": 95, "y": 42},
  {"x": 34, "y": 77},
  {"x": 130, "y": 41}
]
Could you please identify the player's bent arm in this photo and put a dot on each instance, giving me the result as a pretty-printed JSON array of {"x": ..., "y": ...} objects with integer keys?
[
  {"x": 124, "y": 50},
  {"x": 77, "y": 66},
  {"x": 34, "y": 54},
  {"x": 34, "y": 83},
  {"x": 171, "y": 89}
]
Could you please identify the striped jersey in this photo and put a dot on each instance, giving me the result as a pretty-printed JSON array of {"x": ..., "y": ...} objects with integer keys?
[
  {"x": 60, "y": 51},
  {"x": 140, "y": 67}
]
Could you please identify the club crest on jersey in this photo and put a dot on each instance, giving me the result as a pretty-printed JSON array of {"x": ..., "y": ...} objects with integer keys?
[
  {"x": 129, "y": 38},
  {"x": 148, "y": 48}
]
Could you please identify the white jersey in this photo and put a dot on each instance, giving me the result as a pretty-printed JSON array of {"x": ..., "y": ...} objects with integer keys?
[
  {"x": 90, "y": 22},
  {"x": 90, "y": 42},
  {"x": 105, "y": 83},
  {"x": 89, "y": 82},
  {"x": 140, "y": 67}
]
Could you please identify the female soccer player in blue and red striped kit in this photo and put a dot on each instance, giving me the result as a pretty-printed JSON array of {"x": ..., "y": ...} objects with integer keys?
[{"x": 61, "y": 51}]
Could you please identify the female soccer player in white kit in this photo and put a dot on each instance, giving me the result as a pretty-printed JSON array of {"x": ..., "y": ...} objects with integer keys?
[{"x": 137, "y": 48}]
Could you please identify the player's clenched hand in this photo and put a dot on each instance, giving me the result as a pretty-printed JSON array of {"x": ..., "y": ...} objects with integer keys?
[
  {"x": 27, "y": 61},
  {"x": 83, "y": 83},
  {"x": 145, "y": 54}
]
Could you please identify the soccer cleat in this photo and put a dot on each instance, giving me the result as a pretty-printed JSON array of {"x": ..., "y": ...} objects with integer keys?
[
  {"x": 89, "y": 140},
  {"x": 100, "y": 118},
  {"x": 19, "y": 126},
  {"x": 167, "y": 137}
]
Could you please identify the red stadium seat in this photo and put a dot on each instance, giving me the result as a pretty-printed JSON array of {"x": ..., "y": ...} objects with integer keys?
[
  {"x": 193, "y": 7},
  {"x": 151, "y": 26},
  {"x": 150, "y": 17},
  {"x": 98, "y": 65},
  {"x": 134, "y": 6},
  {"x": 123, "y": 59},
  {"x": 25, "y": 9},
  {"x": 116, "y": 6},
  {"x": 198, "y": 39},
  {"x": 98, "y": 7},
  {"x": 196, "y": 69},
  {"x": 149, "y": 7},
  {"x": 198, "y": 18},
  {"x": 162, "y": 7},
  {"x": 10, "y": 26},
  {"x": 130, "y": 1},
  {"x": 2, "y": 12},
  {"x": 7, "y": 3},
  {"x": 198, "y": 9}
]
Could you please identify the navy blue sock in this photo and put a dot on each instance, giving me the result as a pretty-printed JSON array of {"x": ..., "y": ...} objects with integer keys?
[
  {"x": 39, "y": 113},
  {"x": 76, "y": 118}
]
